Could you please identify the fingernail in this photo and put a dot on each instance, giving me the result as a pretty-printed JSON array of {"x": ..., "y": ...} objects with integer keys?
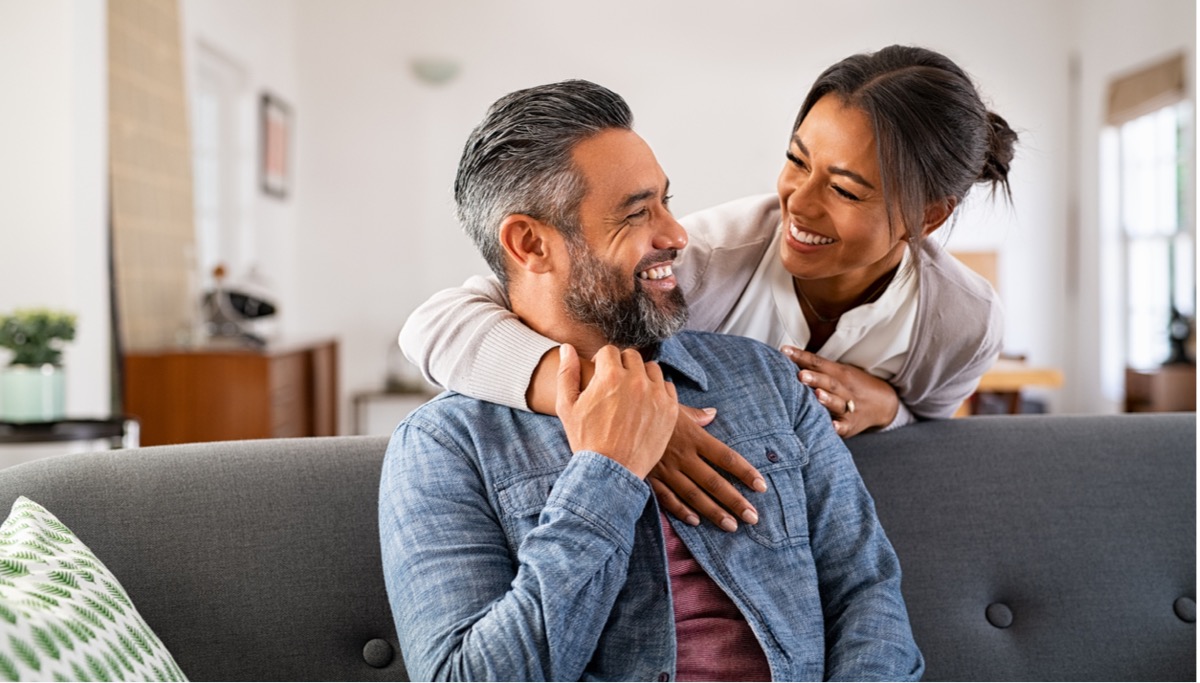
[
  {"x": 759, "y": 485},
  {"x": 710, "y": 411},
  {"x": 789, "y": 350},
  {"x": 729, "y": 524},
  {"x": 692, "y": 520},
  {"x": 822, "y": 396},
  {"x": 749, "y": 516},
  {"x": 806, "y": 377},
  {"x": 562, "y": 352}
]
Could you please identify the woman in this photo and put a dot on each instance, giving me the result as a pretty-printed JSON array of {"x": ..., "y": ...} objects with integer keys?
[{"x": 835, "y": 269}]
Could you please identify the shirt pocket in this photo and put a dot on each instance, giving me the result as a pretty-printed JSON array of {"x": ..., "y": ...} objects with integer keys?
[
  {"x": 783, "y": 507},
  {"x": 522, "y": 501}
]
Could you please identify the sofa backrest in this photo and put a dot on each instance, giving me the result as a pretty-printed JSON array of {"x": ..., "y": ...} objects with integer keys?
[
  {"x": 1044, "y": 548},
  {"x": 251, "y": 560},
  {"x": 1033, "y": 548}
]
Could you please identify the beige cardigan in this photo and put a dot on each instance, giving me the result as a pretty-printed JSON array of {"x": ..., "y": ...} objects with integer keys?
[{"x": 467, "y": 340}]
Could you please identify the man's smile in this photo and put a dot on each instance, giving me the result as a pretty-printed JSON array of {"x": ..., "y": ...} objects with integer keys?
[{"x": 656, "y": 273}]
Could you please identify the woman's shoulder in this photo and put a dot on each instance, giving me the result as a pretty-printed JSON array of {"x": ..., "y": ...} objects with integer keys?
[
  {"x": 726, "y": 245},
  {"x": 962, "y": 297},
  {"x": 741, "y": 222},
  {"x": 946, "y": 276}
]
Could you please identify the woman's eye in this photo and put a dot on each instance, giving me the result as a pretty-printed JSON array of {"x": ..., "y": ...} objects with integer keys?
[
  {"x": 845, "y": 194},
  {"x": 796, "y": 160}
]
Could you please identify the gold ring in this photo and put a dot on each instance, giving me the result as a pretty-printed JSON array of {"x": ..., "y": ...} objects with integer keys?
[{"x": 849, "y": 406}]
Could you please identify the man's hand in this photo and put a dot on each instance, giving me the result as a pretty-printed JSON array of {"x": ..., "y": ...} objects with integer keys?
[
  {"x": 627, "y": 412},
  {"x": 856, "y": 399},
  {"x": 685, "y": 481}
]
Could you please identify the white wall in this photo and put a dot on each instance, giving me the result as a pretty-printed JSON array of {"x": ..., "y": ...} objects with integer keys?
[
  {"x": 53, "y": 188},
  {"x": 714, "y": 87},
  {"x": 368, "y": 231},
  {"x": 259, "y": 39}
]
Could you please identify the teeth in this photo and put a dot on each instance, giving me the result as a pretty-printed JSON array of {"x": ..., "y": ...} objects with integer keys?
[
  {"x": 656, "y": 273},
  {"x": 809, "y": 237}
]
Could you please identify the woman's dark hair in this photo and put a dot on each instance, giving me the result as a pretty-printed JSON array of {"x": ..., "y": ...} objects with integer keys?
[{"x": 935, "y": 137}]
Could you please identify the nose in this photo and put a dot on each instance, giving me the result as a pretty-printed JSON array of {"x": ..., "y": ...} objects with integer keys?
[
  {"x": 670, "y": 235},
  {"x": 800, "y": 194}
]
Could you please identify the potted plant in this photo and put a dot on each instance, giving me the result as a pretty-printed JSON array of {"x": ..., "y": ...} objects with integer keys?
[{"x": 32, "y": 387}]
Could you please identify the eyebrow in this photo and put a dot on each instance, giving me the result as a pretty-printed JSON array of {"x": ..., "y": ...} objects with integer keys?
[
  {"x": 636, "y": 197},
  {"x": 836, "y": 170}
]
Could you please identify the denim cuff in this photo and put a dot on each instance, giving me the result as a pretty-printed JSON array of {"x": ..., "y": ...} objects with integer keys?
[{"x": 603, "y": 493}]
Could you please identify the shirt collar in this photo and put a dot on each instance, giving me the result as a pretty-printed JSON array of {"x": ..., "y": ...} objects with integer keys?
[{"x": 673, "y": 354}]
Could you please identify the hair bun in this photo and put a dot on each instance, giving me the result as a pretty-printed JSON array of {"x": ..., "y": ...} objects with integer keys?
[{"x": 1001, "y": 143}]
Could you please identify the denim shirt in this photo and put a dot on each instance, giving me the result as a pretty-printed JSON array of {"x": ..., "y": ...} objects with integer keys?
[{"x": 507, "y": 557}]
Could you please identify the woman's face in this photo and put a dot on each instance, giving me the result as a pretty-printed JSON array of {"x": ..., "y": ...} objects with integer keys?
[{"x": 834, "y": 215}]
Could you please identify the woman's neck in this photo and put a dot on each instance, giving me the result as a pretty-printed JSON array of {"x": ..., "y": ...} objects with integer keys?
[{"x": 825, "y": 301}]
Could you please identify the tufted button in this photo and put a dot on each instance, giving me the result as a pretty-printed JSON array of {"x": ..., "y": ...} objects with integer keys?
[
  {"x": 999, "y": 615},
  {"x": 1185, "y": 609},
  {"x": 772, "y": 456},
  {"x": 378, "y": 653}
]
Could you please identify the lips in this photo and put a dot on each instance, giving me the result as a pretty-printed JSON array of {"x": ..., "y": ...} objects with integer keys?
[
  {"x": 810, "y": 238},
  {"x": 656, "y": 273},
  {"x": 658, "y": 265}
]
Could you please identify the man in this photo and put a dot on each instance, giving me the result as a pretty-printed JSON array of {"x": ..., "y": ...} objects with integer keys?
[{"x": 519, "y": 546}]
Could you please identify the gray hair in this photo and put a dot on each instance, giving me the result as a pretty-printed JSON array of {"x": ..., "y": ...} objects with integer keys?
[{"x": 518, "y": 160}]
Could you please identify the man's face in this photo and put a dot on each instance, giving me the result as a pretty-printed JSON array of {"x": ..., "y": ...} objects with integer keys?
[{"x": 621, "y": 280}]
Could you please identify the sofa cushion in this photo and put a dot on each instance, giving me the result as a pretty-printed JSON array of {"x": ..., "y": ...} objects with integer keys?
[{"x": 63, "y": 615}]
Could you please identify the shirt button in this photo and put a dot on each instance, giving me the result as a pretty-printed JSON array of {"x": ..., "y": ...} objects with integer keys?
[
  {"x": 664, "y": 676},
  {"x": 772, "y": 456}
]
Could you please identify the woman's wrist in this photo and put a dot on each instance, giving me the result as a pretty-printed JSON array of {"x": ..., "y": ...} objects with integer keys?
[{"x": 542, "y": 393}]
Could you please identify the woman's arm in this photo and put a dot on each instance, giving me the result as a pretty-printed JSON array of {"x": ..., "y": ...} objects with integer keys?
[
  {"x": 466, "y": 339},
  {"x": 959, "y": 336}
]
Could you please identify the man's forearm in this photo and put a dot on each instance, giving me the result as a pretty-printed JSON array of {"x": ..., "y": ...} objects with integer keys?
[{"x": 462, "y": 612}]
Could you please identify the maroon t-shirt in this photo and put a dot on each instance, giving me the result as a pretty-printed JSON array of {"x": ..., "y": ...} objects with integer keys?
[{"x": 714, "y": 641}]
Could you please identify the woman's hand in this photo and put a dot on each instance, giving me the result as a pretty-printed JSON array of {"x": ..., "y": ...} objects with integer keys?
[
  {"x": 857, "y": 400},
  {"x": 686, "y": 483}
]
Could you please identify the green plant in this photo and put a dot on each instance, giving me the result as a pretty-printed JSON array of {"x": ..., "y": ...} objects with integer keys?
[{"x": 35, "y": 334}]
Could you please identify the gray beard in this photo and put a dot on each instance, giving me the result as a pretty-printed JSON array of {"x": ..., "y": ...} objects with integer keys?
[{"x": 598, "y": 296}]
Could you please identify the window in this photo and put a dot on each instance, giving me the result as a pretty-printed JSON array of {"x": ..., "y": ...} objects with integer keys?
[
  {"x": 220, "y": 106},
  {"x": 1147, "y": 226},
  {"x": 1159, "y": 252}
]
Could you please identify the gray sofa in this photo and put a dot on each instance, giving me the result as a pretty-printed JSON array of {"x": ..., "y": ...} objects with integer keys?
[{"x": 1034, "y": 548}]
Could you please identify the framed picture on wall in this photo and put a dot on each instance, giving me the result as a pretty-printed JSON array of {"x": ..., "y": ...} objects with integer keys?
[{"x": 276, "y": 140}]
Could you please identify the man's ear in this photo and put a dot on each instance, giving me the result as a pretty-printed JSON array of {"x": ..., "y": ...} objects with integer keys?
[
  {"x": 936, "y": 214},
  {"x": 529, "y": 242}
]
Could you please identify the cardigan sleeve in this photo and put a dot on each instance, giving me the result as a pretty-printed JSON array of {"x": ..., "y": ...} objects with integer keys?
[{"x": 467, "y": 340}]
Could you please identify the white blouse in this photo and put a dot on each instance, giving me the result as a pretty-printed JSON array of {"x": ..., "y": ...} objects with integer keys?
[{"x": 875, "y": 336}]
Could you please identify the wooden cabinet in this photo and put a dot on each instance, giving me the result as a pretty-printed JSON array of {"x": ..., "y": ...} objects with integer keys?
[
  {"x": 1170, "y": 388},
  {"x": 189, "y": 395}
]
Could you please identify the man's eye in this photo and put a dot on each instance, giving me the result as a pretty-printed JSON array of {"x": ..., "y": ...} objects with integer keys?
[{"x": 636, "y": 216}]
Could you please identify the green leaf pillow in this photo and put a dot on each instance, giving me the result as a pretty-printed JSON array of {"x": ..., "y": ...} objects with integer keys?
[{"x": 63, "y": 615}]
